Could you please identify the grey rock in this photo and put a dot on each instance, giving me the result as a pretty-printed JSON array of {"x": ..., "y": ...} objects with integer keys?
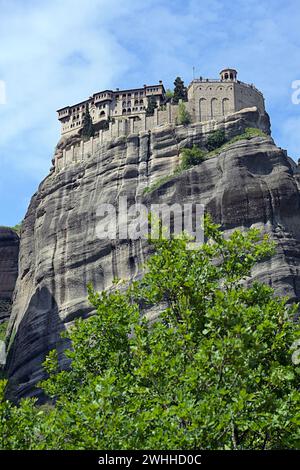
[
  {"x": 2, "y": 353},
  {"x": 251, "y": 183},
  {"x": 9, "y": 252}
]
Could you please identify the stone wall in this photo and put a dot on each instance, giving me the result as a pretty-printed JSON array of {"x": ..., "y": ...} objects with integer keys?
[
  {"x": 82, "y": 150},
  {"x": 79, "y": 150},
  {"x": 214, "y": 99}
]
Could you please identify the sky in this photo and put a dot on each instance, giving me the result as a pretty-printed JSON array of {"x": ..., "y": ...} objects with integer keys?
[{"x": 55, "y": 53}]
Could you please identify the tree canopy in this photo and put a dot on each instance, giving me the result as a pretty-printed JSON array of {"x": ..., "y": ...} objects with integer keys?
[
  {"x": 180, "y": 91},
  {"x": 213, "y": 371},
  {"x": 88, "y": 130},
  {"x": 151, "y": 106}
]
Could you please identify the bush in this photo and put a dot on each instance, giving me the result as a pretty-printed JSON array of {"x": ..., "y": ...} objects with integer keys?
[
  {"x": 191, "y": 157},
  {"x": 169, "y": 93},
  {"x": 3, "y": 328},
  {"x": 183, "y": 116},
  {"x": 215, "y": 140}
]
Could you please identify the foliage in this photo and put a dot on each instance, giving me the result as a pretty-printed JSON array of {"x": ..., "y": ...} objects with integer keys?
[
  {"x": 3, "y": 328},
  {"x": 88, "y": 129},
  {"x": 169, "y": 93},
  {"x": 159, "y": 182},
  {"x": 197, "y": 156},
  {"x": 183, "y": 117},
  {"x": 180, "y": 91},
  {"x": 152, "y": 105},
  {"x": 214, "y": 371},
  {"x": 215, "y": 140},
  {"x": 191, "y": 157},
  {"x": 17, "y": 228},
  {"x": 250, "y": 133}
]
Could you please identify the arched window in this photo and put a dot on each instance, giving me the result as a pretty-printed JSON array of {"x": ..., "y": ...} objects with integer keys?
[
  {"x": 129, "y": 110},
  {"x": 102, "y": 113},
  {"x": 214, "y": 108},
  {"x": 124, "y": 111},
  {"x": 202, "y": 109},
  {"x": 225, "y": 106}
]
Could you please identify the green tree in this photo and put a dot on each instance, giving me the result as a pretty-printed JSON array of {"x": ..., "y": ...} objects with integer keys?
[
  {"x": 183, "y": 116},
  {"x": 169, "y": 94},
  {"x": 214, "y": 371},
  {"x": 215, "y": 140},
  {"x": 88, "y": 130},
  {"x": 180, "y": 91},
  {"x": 152, "y": 105},
  {"x": 191, "y": 157}
]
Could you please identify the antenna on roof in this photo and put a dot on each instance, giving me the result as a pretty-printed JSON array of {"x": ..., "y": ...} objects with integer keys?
[{"x": 193, "y": 73}]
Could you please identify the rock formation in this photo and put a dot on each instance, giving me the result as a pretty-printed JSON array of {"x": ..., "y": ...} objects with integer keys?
[
  {"x": 9, "y": 252},
  {"x": 250, "y": 183}
]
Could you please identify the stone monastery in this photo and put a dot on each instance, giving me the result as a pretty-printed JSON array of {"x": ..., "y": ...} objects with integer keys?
[{"x": 123, "y": 112}]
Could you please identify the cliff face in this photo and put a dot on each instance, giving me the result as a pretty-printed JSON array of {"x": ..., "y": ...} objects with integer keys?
[
  {"x": 252, "y": 182},
  {"x": 9, "y": 253}
]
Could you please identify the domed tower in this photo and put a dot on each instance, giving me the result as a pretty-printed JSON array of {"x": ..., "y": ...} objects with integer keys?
[{"x": 228, "y": 75}]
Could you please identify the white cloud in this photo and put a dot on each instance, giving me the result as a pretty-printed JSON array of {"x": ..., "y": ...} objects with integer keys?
[{"x": 55, "y": 53}]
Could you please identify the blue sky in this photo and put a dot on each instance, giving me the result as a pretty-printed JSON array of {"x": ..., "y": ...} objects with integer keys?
[{"x": 58, "y": 52}]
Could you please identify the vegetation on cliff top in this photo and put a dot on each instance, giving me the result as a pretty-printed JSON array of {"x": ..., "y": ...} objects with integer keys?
[
  {"x": 213, "y": 372},
  {"x": 216, "y": 143},
  {"x": 17, "y": 228}
]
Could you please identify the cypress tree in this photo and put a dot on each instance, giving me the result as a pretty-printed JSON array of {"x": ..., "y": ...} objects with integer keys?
[
  {"x": 180, "y": 91},
  {"x": 151, "y": 106},
  {"x": 88, "y": 126}
]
